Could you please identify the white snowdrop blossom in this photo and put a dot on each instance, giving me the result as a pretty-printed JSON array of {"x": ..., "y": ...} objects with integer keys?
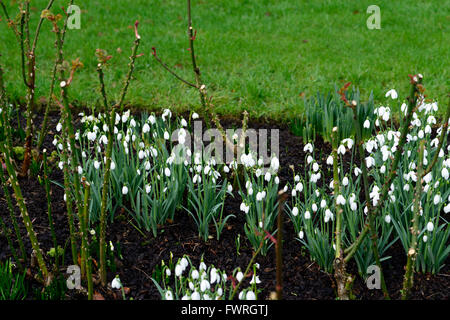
[
  {"x": 430, "y": 226},
  {"x": 308, "y": 148},
  {"x": 124, "y": 190},
  {"x": 116, "y": 284},
  {"x": 392, "y": 93}
]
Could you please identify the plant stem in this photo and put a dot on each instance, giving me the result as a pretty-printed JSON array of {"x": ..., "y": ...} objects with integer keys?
[
  {"x": 371, "y": 213},
  {"x": 412, "y": 252},
  {"x": 58, "y": 61},
  {"x": 24, "y": 212},
  {"x": 111, "y": 120},
  {"x": 49, "y": 209},
  {"x": 279, "y": 246},
  {"x": 86, "y": 258}
]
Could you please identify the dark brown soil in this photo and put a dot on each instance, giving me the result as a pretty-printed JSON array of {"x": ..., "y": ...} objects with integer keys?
[{"x": 302, "y": 278}]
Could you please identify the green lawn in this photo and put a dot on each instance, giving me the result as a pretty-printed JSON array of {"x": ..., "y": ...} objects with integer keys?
[{"x": 259, "y": 55}]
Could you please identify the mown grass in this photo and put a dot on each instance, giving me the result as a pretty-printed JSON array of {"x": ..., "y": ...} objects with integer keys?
[{"x": 259, "y": 55}]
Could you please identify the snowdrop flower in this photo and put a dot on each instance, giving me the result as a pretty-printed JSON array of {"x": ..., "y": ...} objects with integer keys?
[
  {"x": 309, "y": 159},
  {"x": 125, "y": 116},
  {"x": 345, "y": 181},
  {"x": 447, "y": 208},
  {"x": 328, "y": 215},
  {"x": 437, "y": 199},
  {"x": 274, "y": 164},
  {"x": 295, "y": 211},
  {"x": 357, "y": 171},
  {"x": 113, "y": 165},
  {"x": 340, "y": 200},
  {"x": 195, "y": 275},
  {"x": 315, "y": 167},
  {"x": 244, "y": 207},
  {"x": 91, "y": 136},
  {"x": 375, "y": 195},
  {"x": 330, "y": 160},
  {"x": 307, "y": 215},
  {"x": 430, "y": 226},
  {"x": 204, "y": 285},
  {"x": 195, "y": 115},
  {"x": 301, "y": 234},
  {"x": 392, "y": 93},
  {"x": 308, "y": 148},
  {"x": 277, "y": 180},
  {"x": 353, "y": 206},
  {"x": 267, "y": 176},
  {"x": 239, "y": 276},
  {"x": 251, "y": 295},
  {"x": 260, "y": 196},
  {"x": 341, "y": 149},
  {"x": 166, "y": 135},
  {"x": 445, "y": 173},
  {"x": 230, "y": 188},
  {"x": 59, "y": 127},
  {"x": 370, "y": 162},
  {"x": 178, "y": 270},
  {"x": 80, "y": 170},
  {"x": 124, "y": 190},
  {"x": 166, "y": 113},
  {"x": 167, "y": 172},
  {"x": 195, "y": 295},
  {"x": 387, "y": 219},
  {"x": 383, "y": 169},
  {"x": 169, "y": 295},
  {"x": 294, "y": 193},
  {"x": 425, "y": 238},
  {"x": 314, "y": 207},
  {"x": 366, "y": 124},
  {"x": 299, "y": 187},
  {"x": 146, "y": 128},
  {"x": 116, "y": 284}
]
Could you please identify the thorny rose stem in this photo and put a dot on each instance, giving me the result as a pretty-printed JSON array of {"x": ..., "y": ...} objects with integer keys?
[
  {"x": 372, "y": 225},
  {"x": 7, "y": 133},
  {"x": 111, "y": 119},
  {"x": 58, "y": 61},
  {"x": 412, "y": 252}
]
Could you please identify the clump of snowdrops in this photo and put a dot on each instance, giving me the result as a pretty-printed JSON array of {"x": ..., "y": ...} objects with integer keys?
[
  {"x": 184, "y": 281},
  {"x": 315, "y": 202}
]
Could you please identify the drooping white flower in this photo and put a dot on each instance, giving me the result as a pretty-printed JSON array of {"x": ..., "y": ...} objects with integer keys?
[
  {"x": 340, "y": 200},
  {"x": 387, "y": 219},
  {"x": 307, "y": 215},
  {"x": 195, "y": 115},
  {"x": 239, "y": 276},
  {"x": 445, "y": 173},
  {"x": 301, "y": 234},
  {"x": 250, "y": 295},
  {"x": 116, "y": 284},
  {"x": 274, "y": 164},
  {"x": 204, "y": 285},
  {"x": 169, "y": 295},
  {"x": 366, "y": 124},
  {"x": 295, "y": 211},
  {"x": 430, "y": 226},
  {"x": 330, "y": 160},
  {"x": 124, "y": 190},
  {"x": 146, "y": 128},
  {"x": 308, "y": 148},
  {"x": 392, "y": 93},
  {"x": 437, "y": 199}
]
